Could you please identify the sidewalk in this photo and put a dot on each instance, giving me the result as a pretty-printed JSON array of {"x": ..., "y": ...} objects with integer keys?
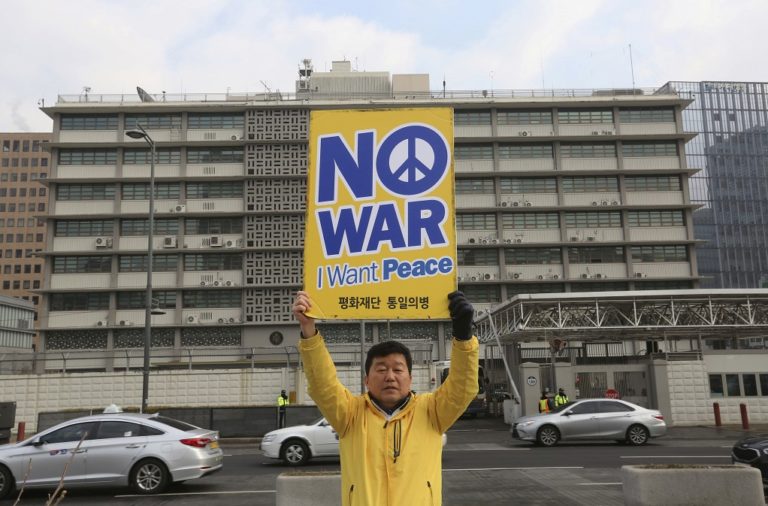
[{"x": 731, "y": 431}]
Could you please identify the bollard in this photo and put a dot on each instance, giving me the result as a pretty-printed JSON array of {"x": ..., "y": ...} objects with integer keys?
[
  {"x": 716, "y": 408},
  {"x": 20, "y": 433},
  {"x": 744, "y": 416}
]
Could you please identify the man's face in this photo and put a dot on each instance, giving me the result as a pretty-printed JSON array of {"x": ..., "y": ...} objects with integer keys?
[{"x": 388, "y": 379}]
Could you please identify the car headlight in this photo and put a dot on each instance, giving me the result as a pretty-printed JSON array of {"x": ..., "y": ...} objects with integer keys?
[
  {"x": 765, "y": 450},
  {"x": 525, "y": 424},
  {"x": 268, "y": 438}
]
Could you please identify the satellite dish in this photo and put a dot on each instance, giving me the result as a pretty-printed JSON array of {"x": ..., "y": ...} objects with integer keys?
[{"x": 143, "y": 95}]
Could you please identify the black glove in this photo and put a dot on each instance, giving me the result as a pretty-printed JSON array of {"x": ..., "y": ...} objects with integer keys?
[{"x": 461, "y": 315}]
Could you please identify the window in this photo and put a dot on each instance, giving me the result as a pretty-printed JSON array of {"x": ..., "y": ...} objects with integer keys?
[
  {"x": 89, "y": 122},
  {"x": 72, "y": 264},
  {"x": 83, "y": 228},
  {"x": 590, "y": 150},
  {"x": 530, "y": 220},
  {"x": 613, "y": 407},
  {"x": 118, "y": 429},
  {"x": 528, "y": 185},
  {"x": 522, "y": 117},
  {"x": 647, "y": 115},
  {"x": 478, "y": 257},
  {"x": 213, "y": 155},
  {"x": 531, "y": 256},
  {"x": 152, "y": 121},
  {"x": 85, "y": 192},
  {"x": 764, "y": 384},
  {"x": 138, "y": 263},
  {"x": 220, "y": 189},
  {"x": 40, "y": 206},
  {"x": 35, "y": 146},
  {"x": 36, "y": 284},
  {"x": 138, "y": 300},
  {"x": 732, "y": 385},
  {"x": 652, "y": 183},
  {"x": 585, "y": 116},
  {"x": 87, "y": 157},
  {"x": 71, "y": 433},
  {"x": 136, "y": 227},
  {"x": 596, "y": 219},
  {"x": 515, "y": 151},
  {"x": 43, "y": 192},
  {"x": 637, "y": 149},
  {"x": 79, "y": 301},
  {"x": 33, "y": 192},
  {"x": 468, "y": 118},
  {"x": 202, "y": 121},
  {"x": 213, "y": 262},
  {"x": 482, "y": 294},
  {"x": 473, "y": 152},
  {"x": 469, "y": 186},
  {"x": 585, "y": 408},
  {"x": 476, "y": 221},
  {"x": 590, "y": 184},
  {"x": 213, "y": 226},
  {"x": 143, "y": 156},
  {"x": 212, "y": 298},
  {"x": 660, "y": 253},
  {"x": 655, "y": 218},
  {"x": 6, "y": 285},
  {"x": 6, "y": 146},
  {"x": 140, "y": 191},
  {"x": 596, "y": 255},
  {"x": 25, "y": 146},
  {"x": 15, "y": 146},
  {"x": 750, "y": 384}
]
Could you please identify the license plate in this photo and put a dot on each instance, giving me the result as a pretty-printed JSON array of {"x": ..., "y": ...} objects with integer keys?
[{"x": 214, "y": 444}]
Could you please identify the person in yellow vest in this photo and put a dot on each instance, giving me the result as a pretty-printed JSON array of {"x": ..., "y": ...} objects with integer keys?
[
  {"x": 282, "y": 402},
  {"x": 561, "y": 398},
  {"x": 544, "y": 403},
  {"x": 390, "y": 438}
]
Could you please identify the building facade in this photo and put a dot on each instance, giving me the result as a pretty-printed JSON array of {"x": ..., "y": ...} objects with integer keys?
[
  {"x": 23, "y": 204},
  {"x": 17, "y": 326},
  {"x": 731, "y": 149},
  {"x": 586, "y": 191}
]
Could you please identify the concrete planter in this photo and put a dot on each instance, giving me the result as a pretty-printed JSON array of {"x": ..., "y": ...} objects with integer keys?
[
  {"x": 689, "y": 485},
  {"x": 309, "y": 488}
]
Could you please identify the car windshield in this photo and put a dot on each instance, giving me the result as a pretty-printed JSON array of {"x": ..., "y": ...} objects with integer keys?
[
  {"x": 176, "y": 424},
  {"x": 563, "y": 407},
  {"x": 315, "y": 422}
]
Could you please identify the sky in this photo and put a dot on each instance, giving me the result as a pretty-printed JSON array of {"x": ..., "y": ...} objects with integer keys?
[{"x": 56, "y": 47}]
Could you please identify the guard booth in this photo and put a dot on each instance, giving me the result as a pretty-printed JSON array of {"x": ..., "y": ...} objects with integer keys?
[{"x": 7, "y": 417}]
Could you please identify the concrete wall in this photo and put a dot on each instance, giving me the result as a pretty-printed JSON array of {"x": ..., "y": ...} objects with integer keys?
[{"x": 34, "y": 394}]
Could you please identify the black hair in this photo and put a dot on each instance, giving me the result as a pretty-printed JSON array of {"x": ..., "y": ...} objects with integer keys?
[{"x": 388, "y": 348}]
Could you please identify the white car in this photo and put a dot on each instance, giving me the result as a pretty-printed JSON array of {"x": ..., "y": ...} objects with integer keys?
[
  {"x": 296, "y": 445},
  {"x": 146, "y": 452}
]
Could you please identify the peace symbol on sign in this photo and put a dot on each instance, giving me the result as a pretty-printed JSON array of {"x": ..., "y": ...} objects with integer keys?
[{"x": 412, "y": 160}]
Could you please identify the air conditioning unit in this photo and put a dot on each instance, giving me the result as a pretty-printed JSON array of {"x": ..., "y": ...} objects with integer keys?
[
  {"x": 590, "y": 238},
  {"x": 507, "y": 241},
  {"x": 607, "y": 132},
  {"x": 126, "y": 323},
  {"x": 516, "y": 275},
  {"x": 555, "y": 276},
  {"x": 614, "y": 202},
  {"x": 640, "y": 275},
  {"x": 234, "y": 137},
  {"x": 204, "y": 283},
  {"x": 574, "y": 238},
  {"x": 595, "y": 132},
  {"x": 229, "y": 282},
  {"x": 218, "y": 283},
  {"x": 103, "y": 242},
  {"x": 540, "y": 276},
  {"x": 515, "y": 204},
  {"x": 459, "y": 279},
  {"x": 504, "y": 203},
  {"x": 169, "y": 242},
  {"x": 230, "y": 244},
  {"x": 216, "y": 241},
  {"x": 518, "y": 240},
  {"x": 471, "y": 240},
  {"x": 528, "y": 204},
  {"x": 524, "y": 133},
  {"x": 179, "y": 208},
  {"x": 222, "y": 320},
  {"x": 232, "y": 320},
  {"x": 594, "y": 202},
  {"x": 487, "y": 276},
  {"x": 193, "y": 318},
  {"x": 599, "y": 276},
  {"x": 495, "y": 241},
  {"x": 484, "y": 241},
  {"x": 102, "y": 323},
  {"x": 585, "y": 276},
  {"x": 603, "y": 202}
]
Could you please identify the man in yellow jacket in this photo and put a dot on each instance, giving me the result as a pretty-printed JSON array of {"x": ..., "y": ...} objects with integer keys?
[{"x": 390, "y": 438}]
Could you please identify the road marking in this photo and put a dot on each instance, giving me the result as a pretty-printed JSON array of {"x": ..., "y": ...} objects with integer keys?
[
  {"x": 507, "y": 469},
  {"x": 675, "y": 457},
  {"x": 203, "y": 493},
  {"x": 608, "y": 484}
]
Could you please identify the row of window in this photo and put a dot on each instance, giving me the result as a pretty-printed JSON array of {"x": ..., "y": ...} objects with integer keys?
[
  {"x": 140, "y": 226},
  {"x": 21, "y": 176},
  {"x": 151, "y": 121},
  {"x": 22, "y": 192},
  {"x": 21, "y": 238},
  {"x": 90, "y": 301},
  {"x": 580, "y": 184},
  {"x": 25, "y": 284},
  {"x": 738, "y": 385},
  {"x": 143, "y": 156},
  {"x": 567, "y": 150},
  {"x": 22, "y": 146},
  {"x": 491, "y": 293},
  {"x": 140, "y": 191},
  {"x": 22, "y": 269},
  {"x": 565, "y": 116},
  {"x": 588, "y": 254},
  {"x": 586, "y": 219},
  {"x": 18, "y": 253},
  {"x": 138, "y": 263},
  {"x": 24, "y": 163},
  {"x": 22, "y": 207},
  {"x": 21, "y": 222}
]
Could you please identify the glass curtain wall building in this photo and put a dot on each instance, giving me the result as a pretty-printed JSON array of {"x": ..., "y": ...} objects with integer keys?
[{"x": 731, "y": 149}]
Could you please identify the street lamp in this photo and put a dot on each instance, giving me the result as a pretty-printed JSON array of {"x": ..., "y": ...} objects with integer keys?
[{"x": 140, "y": 133}]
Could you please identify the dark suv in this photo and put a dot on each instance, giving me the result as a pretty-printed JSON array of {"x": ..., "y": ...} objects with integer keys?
[{"x": 752, "y": 450}]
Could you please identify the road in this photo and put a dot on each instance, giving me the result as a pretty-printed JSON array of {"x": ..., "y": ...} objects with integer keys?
[{"x": 481, "y": 465}]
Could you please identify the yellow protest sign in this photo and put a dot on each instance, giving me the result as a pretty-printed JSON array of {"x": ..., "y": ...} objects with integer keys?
[{"x": 380, "y": 236}]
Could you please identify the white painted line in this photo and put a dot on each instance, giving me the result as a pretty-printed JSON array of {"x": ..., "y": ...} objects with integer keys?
[
  {"x": 220, "y": 492},
  {"x": 609, "y": 484},
  {"x": 487, "y": 449},
  {"x": 507, "y": 469},
  {"x": 675, "y": 457}
]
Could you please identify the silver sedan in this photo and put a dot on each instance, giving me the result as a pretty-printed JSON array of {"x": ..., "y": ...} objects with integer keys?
[
  {"x": 608, "y": 419},
  {"x": 146, "y": 452}
]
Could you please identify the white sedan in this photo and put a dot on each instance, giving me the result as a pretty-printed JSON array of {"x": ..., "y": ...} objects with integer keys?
[{"x": 296, "y": 445}]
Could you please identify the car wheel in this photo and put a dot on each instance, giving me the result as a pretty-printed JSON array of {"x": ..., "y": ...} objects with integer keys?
[
  {"x": 149, "y": 476},
  {"x": 6, "y": 482},
  {"x": 294, "y": 452},
  {"x": 548, "y": 435},
  {"x": 637, "y": 435}
]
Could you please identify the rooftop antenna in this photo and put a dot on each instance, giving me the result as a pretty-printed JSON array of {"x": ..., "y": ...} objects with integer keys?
[
  {"x": 143, "y": 95},
  {"x": 632, "y": 68},
  {"x": 266, "y": 88},
  {"x": 86, "y": 89},
  {"x": 41, "y": 102},
  {"x": 443, "y": 85}
]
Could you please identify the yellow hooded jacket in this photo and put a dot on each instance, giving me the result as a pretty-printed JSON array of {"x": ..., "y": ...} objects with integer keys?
[{"x": 395, "y": 462}]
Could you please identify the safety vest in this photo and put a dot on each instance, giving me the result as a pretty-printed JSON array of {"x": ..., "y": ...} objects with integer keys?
[
  {"x": 561, "y": 399},
  {"x": 282, "y": 401},
  {"x": 544, "y": 406}
]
